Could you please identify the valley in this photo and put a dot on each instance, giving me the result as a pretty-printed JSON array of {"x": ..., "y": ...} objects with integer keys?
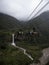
[{"x": 31, "y": 37}]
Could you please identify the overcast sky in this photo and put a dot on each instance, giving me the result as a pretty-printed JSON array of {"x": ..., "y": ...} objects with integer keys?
[{"x": 21, "y": 9}]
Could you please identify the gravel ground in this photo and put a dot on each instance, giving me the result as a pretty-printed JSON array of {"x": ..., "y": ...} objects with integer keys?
[{"x": 44, "y": 59}]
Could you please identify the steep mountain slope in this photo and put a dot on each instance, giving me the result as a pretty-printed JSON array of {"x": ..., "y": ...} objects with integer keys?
[
  {"x": 41, "y": 23},
  {"x": 8, "y": 22}
]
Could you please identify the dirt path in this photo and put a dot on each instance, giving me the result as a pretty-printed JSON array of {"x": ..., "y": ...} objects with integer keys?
[{"x": 24, "y": 50}]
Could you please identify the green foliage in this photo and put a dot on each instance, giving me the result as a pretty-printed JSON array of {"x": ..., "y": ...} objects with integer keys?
[
  {"x": 13, "y": 56},
  {"x": 5, "y": 36},
  {"x": 9, "y": 23},
  {"x": 33, "y": 50}
]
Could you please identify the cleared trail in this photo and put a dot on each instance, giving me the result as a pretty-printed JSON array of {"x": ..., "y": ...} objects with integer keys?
[{"x": 24, "y": 51}]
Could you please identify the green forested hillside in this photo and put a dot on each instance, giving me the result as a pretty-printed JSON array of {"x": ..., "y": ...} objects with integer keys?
[
  {"x": 41, "y": 23},
  {"x": 10, "y": 55},
  {"x": 8, "y": 22}
]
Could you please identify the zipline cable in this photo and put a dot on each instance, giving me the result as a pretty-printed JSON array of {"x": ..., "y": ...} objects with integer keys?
[
  {"x": 35, "y": 9},
  {"x": 42, "y": 8}
]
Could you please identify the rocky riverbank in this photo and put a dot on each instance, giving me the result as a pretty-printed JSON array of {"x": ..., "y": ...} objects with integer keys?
[{"x": 44, "y": 59}]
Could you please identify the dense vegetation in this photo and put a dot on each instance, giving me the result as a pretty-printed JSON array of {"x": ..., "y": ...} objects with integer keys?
[
  {"x": 13, "y": 56},
  {"x": 41, "y": 23},
  {"x": 10, "y": 55},
  {"x": 9, "y": 23}
]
